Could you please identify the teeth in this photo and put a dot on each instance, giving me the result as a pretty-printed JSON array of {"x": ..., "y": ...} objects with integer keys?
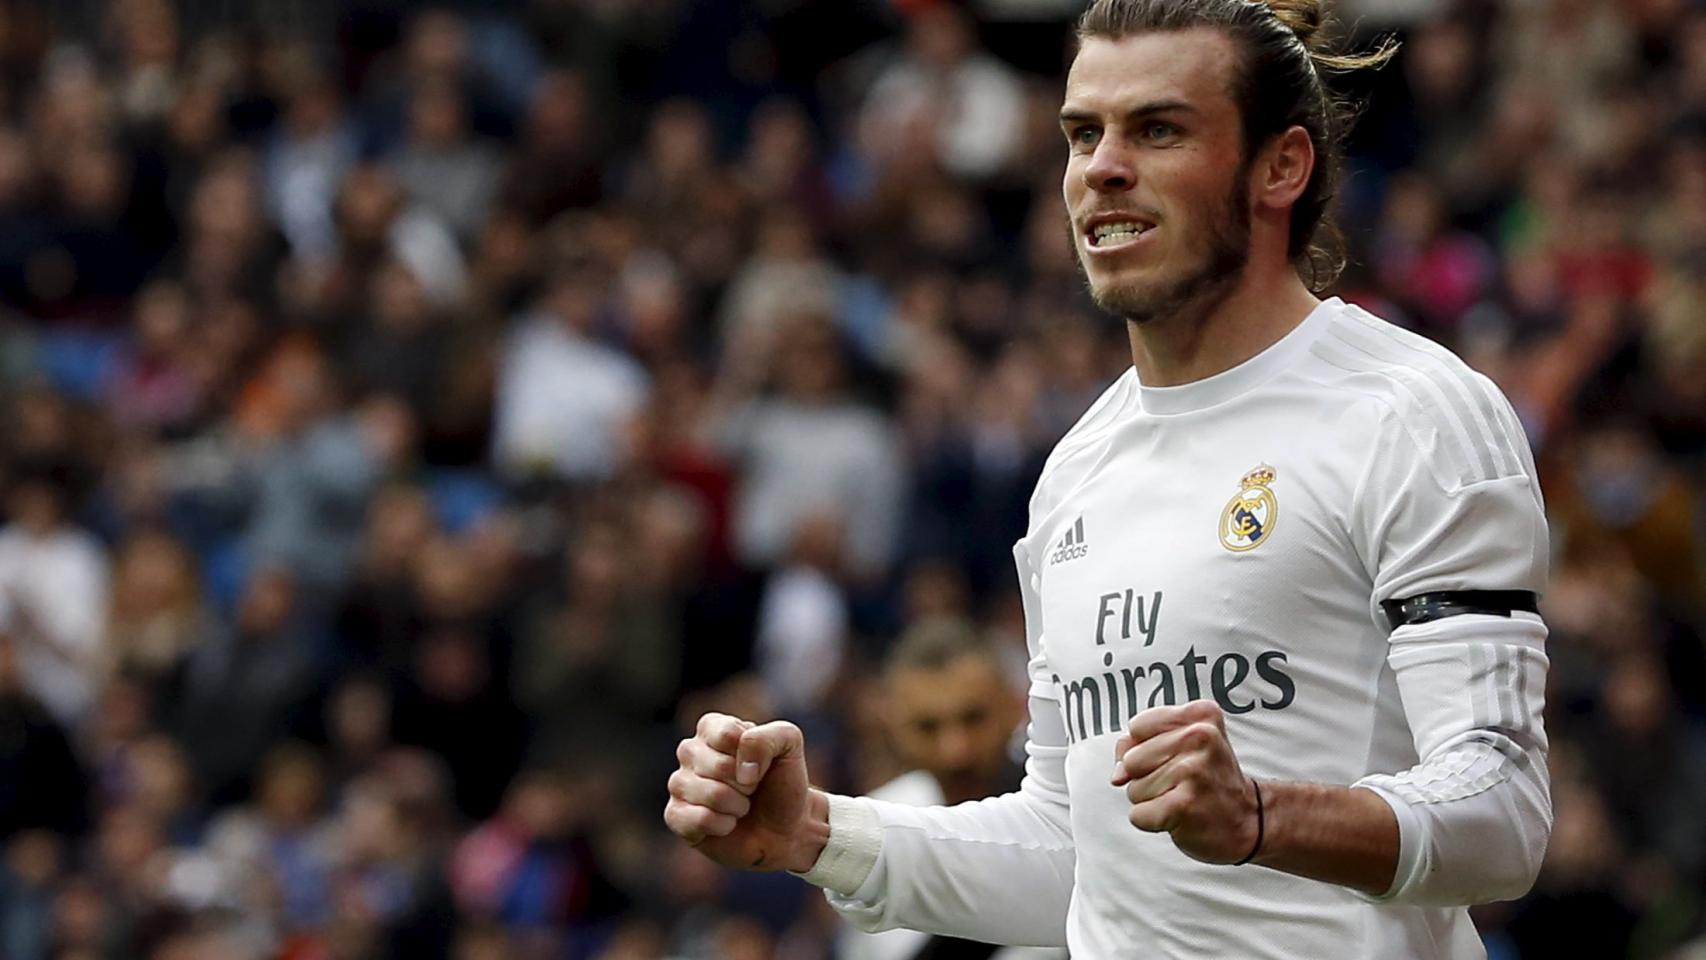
[{"x": 1118, "y": 232}]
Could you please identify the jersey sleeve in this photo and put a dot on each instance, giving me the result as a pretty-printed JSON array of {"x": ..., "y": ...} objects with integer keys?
[
  {"x": 951, "y": 870},
  {"x": 1474, "y": 813}
]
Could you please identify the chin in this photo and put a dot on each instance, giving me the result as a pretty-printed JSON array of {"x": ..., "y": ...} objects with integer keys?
[
  {"x": 1136, "y": 302},
  {"x": 1180, "y": 291}
]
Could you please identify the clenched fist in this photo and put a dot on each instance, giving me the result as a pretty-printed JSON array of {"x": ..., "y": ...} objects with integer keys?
[
  {"x": 1182, "y": 778},
  {"x": 741, "y": 796}
]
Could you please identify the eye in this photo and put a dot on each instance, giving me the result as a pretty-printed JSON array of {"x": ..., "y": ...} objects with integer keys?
[
  {"x": 1084, "y": 136},
  {"x": 1159, "y": 130}
]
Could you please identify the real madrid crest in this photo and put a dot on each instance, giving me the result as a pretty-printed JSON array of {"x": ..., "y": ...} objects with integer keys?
[{"x": 1249, "y": 518}]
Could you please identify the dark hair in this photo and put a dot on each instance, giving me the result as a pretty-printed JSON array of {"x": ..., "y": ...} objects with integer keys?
[
  {"x": 1278, "y": 88},
  {"x": 936, "y": 643}
]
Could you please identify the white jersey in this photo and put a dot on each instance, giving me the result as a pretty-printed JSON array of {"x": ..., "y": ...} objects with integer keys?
[{"x": 1232, "y": 539}]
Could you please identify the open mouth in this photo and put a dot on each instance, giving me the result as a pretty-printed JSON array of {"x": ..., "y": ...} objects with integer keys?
[{"x": 1114, "y": 233}]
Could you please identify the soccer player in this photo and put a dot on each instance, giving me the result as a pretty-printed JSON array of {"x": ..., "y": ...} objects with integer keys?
[
  {"x": 951, "y": 713},
  {"x": 1279, "y": 581}
]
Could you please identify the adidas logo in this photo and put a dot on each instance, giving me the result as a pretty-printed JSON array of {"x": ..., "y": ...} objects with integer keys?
[{"x": 1071, "y": 546}]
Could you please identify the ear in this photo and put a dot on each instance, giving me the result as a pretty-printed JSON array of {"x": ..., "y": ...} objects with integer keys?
[{"x": 1282, "y": 169}]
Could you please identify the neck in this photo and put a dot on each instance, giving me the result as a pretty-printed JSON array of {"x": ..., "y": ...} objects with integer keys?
[{"x": 1211, "y": 337}]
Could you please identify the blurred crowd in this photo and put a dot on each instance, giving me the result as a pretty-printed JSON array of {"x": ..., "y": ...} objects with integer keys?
[{"x": 415, "y": 416}]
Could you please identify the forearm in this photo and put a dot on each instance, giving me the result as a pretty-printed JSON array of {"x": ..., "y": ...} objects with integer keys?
[
  {"x": 1474, "y": 822},
  {"x": 951, "y": 870},
  {"x": 1475, "y": 814},
  {"x": 1343, "y": 835}
]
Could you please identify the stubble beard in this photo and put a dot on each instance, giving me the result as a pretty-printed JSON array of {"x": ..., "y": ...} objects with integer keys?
[{"x": 1217, "y": 269}]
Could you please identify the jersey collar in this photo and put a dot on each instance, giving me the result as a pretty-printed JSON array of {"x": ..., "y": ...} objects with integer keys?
[{"x": 1223, "y": 386}]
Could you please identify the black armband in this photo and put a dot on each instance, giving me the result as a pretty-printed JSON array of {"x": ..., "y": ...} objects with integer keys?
[{"x": 1428, "y": 607}]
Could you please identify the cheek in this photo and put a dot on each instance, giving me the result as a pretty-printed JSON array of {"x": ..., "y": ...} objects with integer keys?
[
  {"x": 1201, "y": 191},
  {"x": 911, "y": 741}
]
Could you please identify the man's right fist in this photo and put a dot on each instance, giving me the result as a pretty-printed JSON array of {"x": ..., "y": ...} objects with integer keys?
[{"x": 741, "y": 796}]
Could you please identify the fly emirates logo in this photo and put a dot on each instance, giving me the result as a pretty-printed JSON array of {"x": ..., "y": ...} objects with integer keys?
[{"x": 1106, "y": 702}]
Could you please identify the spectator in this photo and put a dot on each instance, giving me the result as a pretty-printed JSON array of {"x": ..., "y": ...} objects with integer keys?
[
  {"x": 306, "y": 157},
  {"x": 280, "y": 844},
  {"x": 121, "y": 721},
  {"x": 380, "y": 606},
  {"x": 556, "y": 168},
  {"x": 905, "y": 107},
  {"x": 803, "y": 619},
  {"x": 129, "y": 846},
  {"x": 85, "y": 924},
  {"x": 389, "y": 868},
  {"x": 1614, "y": 488},
  {"x": 1437, "y": 273},
  {"x": 563, "y": 397},
  {"x": 246, "y": 684},
  {"x": 33, "y": 868},
  {"x": 229, "y": 249},
  {"x": 163, "y": 788},
  {"x": 440, "y": 167},
  {"x": 398, "y": 348},
  {"x": 376, "y": 223},
  {"x": 786, "y": 276},
  {"x": 781, "y": 167},
  {"x": 1642, "y": 740},
  {"x": 43, "y": 785},
  {"x": 155, "y": 388},
  {"x": 313, "y": 467},
  {"x": 528, "y": 868},
  {"x": 158, "y": 617},
  {"x": 358, "y": 728},
  {"x": 666, "y": 183},
  {"x": 600, "y": 663},
  {"x": 812, "y": 451},
  {"x": 438, "y": 48},
  {"x": 53, "y": 587},
  {"x": 454, "y": 699}
]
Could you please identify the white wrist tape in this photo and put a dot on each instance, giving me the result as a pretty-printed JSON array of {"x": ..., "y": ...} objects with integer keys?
[{"x": 855, "y": 840}]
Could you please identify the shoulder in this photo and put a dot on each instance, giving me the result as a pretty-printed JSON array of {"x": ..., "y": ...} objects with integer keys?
[
  {"x": 538, "y": 339},
  {"x": 1416, "y": 395},
  {"x": 915, "y": 789},
  {"x": 84, "y": 547},
  {"x": 1078, "y": 446},
  {"x": 529, "y": 334},
  {"x": 866, "y": 422}
]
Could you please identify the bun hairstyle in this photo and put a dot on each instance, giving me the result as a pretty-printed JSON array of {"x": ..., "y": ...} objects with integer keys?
[
  {"x": 1287, "y": 46},
  {"x": 1302, "y": 16}
]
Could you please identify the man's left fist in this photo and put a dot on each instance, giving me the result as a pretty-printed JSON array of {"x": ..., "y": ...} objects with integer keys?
[{"x": 1180, "y": 773}]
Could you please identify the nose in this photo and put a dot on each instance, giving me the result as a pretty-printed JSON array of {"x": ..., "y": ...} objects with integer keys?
[
  {"x": 956, "y": 747},
  {"x": 1110, "y": 169}
]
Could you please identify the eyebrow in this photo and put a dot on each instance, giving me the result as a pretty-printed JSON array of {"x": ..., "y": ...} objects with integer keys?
[{"x": 1069, "y": 116}]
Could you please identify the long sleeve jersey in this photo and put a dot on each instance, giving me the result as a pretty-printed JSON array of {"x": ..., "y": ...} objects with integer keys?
[{"x": 1233, "y": 539}]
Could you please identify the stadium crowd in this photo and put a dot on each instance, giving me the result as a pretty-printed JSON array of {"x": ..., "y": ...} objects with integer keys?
[{"x": 414, "y": 415}]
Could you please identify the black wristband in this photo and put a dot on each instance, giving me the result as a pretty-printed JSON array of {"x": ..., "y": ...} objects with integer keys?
[{"x": 1261, "y": 825}]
